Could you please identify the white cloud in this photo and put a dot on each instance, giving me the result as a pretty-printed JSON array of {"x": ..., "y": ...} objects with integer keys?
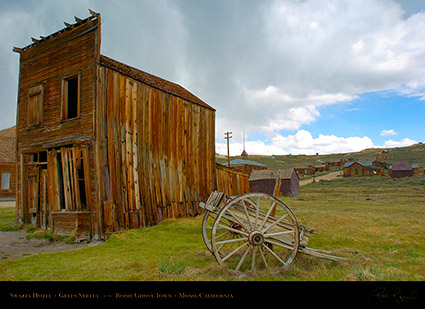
[
  {"x": 388, "y": 132},
  {"x": 271, "y": 109},
  {"x": 403, "y": 143},
  {"x": 300, "y": 143},
  {"x": 304, "y": 143},
  {"x": 307, "y": 54},
  {"x": 252, "y": 148}
]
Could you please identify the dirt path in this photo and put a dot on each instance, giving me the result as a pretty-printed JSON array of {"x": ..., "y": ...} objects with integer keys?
[
  {"x": 15, "y": 244},
  {"x": 329, "y": 176}
]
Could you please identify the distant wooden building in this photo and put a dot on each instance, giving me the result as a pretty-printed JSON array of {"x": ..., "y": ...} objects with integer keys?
[
  {"x": 360, "y": 169},
  {"x": 264, "y": 181},
  {"x": 402, "y": 169},
  {"x": 336, "y": 163},
  {"x": 102, "y": 146},
  {"x": 247, "y": 166},
  {"x": 381, "y": 164},
  {"x": 305, "y": 170},
  {"x": 320, "y": 167},
  {"x": 7, "y": 163}
]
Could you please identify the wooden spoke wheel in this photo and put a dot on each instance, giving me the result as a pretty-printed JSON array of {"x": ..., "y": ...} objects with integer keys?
[
  {"x": 207, "y": 222},
  {"x": 255, "y": 230}
]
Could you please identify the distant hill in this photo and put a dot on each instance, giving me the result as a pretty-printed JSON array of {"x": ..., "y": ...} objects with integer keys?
[{"x": 414, "y": 154}]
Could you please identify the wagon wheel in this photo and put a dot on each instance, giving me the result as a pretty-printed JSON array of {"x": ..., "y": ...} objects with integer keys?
[
  {"x": 207, "y": 222},
  {"x": 255, "y": 230}
]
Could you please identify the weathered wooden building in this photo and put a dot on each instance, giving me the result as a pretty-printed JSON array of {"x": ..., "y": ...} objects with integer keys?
[
  {"x": 402, "y": 169},
  {"x": 264, "y": 181},
  {"x": 305, "y": 170},
  {"x": 247, "y": 166},
  {"x": 7, "y": 163},
  {"x": 359, "y": 169},
  {"x": 102, "y": 146}
]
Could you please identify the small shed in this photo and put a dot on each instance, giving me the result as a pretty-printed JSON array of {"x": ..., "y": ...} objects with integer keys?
[
  {"x": 7, "y": 163},
  {"x": 321, "y": 167},
  {"x": 401, "y": 169},
  {"x": 264, "y": 181},
  {"x": 360, "y": 168},
  {"x": 336, "y": 163},
  {"x": 247, "y": 166},
  {"x": 305, "y": 170}
]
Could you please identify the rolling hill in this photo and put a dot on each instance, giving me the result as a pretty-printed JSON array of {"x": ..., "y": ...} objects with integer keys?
[{"x": 414, "y": 154}]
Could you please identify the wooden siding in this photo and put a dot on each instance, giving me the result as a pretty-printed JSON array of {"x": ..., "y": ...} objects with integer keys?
[
  {"x": 9, "y": 168},
  {"x": 137, "y": 150},
  {"x": 358, "y": 170},
  {"x": 231, "y": 182},
  {"x": 265, "y": 182},
  {"x": 44, "y": 65},
  {"x": 156, "y": 151}
]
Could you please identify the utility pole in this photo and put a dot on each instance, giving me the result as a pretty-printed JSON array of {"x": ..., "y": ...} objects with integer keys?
[{"x": 228, "y": 137}]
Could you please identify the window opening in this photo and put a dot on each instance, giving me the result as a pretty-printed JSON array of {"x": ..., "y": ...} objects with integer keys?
[
  {"x": 71, "y": 97},
  {"x": 5, "y": 181}
]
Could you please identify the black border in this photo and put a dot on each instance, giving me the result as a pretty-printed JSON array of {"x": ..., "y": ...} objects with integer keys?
[{"x": 216, "y": 292}]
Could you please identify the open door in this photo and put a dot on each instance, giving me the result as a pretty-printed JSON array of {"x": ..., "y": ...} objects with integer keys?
[
  {"x": 38, "y": 212},
  {"x": 32, "y": 193}
]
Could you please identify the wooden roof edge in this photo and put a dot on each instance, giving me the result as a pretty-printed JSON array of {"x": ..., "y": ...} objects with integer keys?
[
  {"x": 229, "y": 169},
  {"x": 93, "y": 15},
  {"x": 152, "y": 80},
  {"x": 272, "y": 174}
]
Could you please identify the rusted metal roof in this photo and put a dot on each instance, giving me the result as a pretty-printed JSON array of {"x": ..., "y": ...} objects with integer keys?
[
  {"x": 363, "y": 163},
  {"x": 245, "y": 162},
  {"x": 152, "y": 80},
  {"x": 271, "y": 174},
  {"x": 401, "y": 166}
]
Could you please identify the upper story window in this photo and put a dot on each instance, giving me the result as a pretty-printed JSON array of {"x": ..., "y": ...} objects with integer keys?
[
  {"x": 71, "y": 97},
  {"x": 35, "y": 105}
]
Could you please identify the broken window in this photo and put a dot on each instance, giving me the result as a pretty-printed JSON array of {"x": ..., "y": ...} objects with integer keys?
[
  {"x": 35, "y": 105},
  {"x": 70, "y": 178},
  {"x": 71, "y": 97}
]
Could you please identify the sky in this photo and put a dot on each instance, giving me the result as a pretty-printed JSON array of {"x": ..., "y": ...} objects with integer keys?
[{"x": 293, "y": 77}]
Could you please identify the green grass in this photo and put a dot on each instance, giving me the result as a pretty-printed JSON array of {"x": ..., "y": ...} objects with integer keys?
[
  {"x": 7, "y": 219},
  {"x": 376, "y": 223}
]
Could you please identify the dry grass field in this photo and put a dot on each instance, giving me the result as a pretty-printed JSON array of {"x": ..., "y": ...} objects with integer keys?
[{"x": 376, "y": 223}]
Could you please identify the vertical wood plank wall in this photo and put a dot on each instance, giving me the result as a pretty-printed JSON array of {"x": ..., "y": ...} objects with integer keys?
[
  {"x": 72, "y": 52},
  {"x": 159, "y": 151},
  {"x": 231, "y": 182}
]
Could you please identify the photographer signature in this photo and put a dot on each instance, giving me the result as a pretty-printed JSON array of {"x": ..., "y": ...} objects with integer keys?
[{"x": 396, "y": 295}]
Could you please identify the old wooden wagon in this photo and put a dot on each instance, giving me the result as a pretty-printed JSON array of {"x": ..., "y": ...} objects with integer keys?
[
  {"x": 102, "y": 146},
  {"x": 254, "y": 230}
]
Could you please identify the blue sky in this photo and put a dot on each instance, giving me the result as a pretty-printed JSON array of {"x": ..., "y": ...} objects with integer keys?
[
  {"x": 300, "y": 77},
  {"x": 370, "y": 114}
]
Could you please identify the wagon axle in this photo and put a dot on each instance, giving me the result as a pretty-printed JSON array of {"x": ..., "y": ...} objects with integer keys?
[{"x": 256, "y": 238}]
